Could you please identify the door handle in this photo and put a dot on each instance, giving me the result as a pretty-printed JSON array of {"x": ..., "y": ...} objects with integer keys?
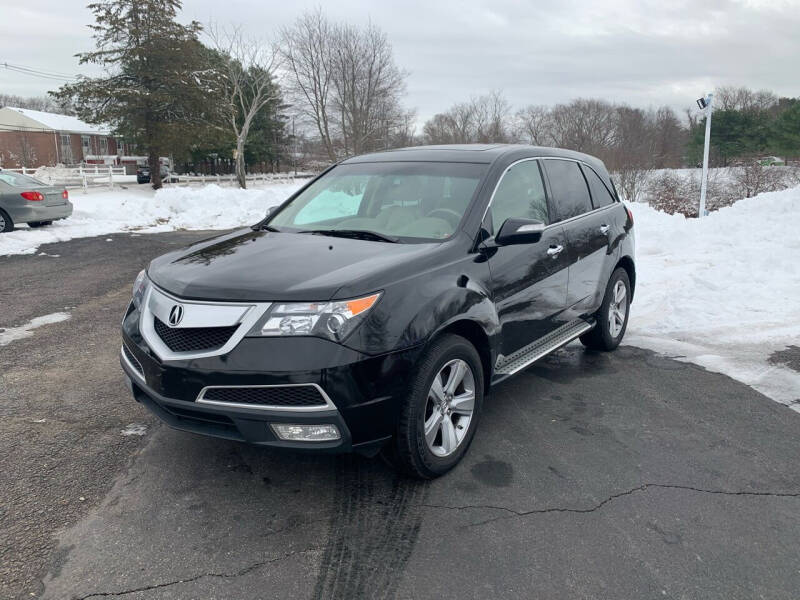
[
  {"x": 604, "y": 229},
  {"x": 554, "y": 251}
]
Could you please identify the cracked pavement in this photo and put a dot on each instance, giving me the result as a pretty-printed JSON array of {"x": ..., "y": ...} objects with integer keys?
[{"x": 622, "y": 475}]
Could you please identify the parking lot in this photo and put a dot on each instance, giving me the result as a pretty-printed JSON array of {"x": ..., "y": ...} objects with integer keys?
[{"x": 623, "y": 475}]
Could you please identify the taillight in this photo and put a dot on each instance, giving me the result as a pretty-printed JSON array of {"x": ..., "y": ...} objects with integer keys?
[
  {"x": 630, "y": 215},
  {"x": 65, "y": 195},
  {"x": 32, "y": 196}
]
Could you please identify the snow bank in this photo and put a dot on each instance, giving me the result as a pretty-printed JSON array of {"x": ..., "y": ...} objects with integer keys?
[
  {"x": 724, "y": 291},
  {"x": 103, "y": 212}
]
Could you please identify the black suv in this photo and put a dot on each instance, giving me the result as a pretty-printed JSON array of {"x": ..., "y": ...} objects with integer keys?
[{"x": 374, "y": 309}]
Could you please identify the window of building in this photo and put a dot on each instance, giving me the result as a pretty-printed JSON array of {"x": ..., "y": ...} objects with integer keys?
[{"x": 66, "y": 149}]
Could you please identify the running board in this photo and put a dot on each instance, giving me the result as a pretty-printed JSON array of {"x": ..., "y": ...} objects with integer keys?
[{"x": 508, "y": 365}]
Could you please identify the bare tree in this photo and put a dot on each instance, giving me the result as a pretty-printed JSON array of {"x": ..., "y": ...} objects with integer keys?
[
  {"x": 484, "y": 119},
  {"x": 368, "y": 86},
  {"x": 532, "y": 125},
  {"x": 307, "y": 50},
  {"x": 245, "y": 77},
  {"x": 742, "y": 98},
  {"x": 344, "y": 81},
  {"x": 585, "y": 125},
  {"x": 670, "y": 139}
]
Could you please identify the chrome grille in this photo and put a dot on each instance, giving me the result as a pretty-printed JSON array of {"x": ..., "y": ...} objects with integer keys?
[
  {"x": 297, "y": 397},
  {"x": 193, "y": 339}
]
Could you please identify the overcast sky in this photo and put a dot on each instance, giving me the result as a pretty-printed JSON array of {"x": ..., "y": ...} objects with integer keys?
[{"x": 642, "y": 53}]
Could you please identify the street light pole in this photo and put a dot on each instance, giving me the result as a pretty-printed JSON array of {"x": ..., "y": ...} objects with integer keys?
[{"x": 704, "y": 181}]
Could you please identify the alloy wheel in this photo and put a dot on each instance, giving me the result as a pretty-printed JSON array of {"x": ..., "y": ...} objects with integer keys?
[
  {"x": 449, "y": 407},
  {"x": 617, "y": 309},
  {"x": 2, "y": 223}
]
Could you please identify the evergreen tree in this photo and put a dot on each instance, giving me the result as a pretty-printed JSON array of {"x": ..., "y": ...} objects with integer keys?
[
  {"x": 734, "y": 134},
  {"x": 785, "y": 131},
  {"x": 151, "y": 93}
]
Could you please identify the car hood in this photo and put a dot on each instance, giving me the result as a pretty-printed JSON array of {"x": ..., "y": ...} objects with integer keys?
[{"x": 263, "y": 266}]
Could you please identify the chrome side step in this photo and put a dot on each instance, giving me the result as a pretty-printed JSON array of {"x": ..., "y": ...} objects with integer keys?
[{"x": 508, "y": 365}]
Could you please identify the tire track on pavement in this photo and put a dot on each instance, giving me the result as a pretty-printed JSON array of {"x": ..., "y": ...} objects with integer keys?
[{"x": 374, "y": 526}]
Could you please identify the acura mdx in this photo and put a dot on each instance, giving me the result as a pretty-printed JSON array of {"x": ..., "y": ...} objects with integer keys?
[{"x": 375, "y": 308}]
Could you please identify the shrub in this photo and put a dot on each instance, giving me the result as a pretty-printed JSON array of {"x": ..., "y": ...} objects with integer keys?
[{"x": 679, "y": 192}]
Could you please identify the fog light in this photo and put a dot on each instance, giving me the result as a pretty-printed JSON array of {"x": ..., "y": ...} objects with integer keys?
[{"x": 305, "y": 433}]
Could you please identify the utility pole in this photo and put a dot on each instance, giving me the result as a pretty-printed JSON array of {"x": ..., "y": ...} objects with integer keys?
[
  {"x": 705, "y": 103},
  {"x": 294, "y": 149}
]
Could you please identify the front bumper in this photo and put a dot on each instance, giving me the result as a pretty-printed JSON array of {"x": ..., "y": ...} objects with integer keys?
[
  {"x": 249, "y": 425},
  {"x": 364, "y": 392}
]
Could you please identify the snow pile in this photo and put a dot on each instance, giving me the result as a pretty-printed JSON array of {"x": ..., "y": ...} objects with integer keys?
[
  {"x": 23, "y": 331},
  {"x": 103, "y": 212},
  {"x": 724, "y": 291}
]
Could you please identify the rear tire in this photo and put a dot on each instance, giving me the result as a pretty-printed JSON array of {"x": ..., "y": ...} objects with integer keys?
[
  {"x": 6, "y": 224},
  {"x": 36, "y": 224},
  {"x": 612, "y": 316},
  {"x": 445, "y": 399}
]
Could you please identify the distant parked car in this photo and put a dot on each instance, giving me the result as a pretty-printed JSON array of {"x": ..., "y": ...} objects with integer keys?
[
  {"x": 24, "y": 199},
  {"x": 143, "y": 175}
]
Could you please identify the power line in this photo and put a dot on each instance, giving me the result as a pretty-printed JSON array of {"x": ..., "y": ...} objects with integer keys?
[
  {"x": 44, "y": 71},
  {"x": 37, "y": 73}
]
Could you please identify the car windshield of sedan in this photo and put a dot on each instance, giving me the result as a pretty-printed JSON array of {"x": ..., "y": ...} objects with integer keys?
[
  {"x": 384, "y": 201},
  {"x": 19, "y": 180}
]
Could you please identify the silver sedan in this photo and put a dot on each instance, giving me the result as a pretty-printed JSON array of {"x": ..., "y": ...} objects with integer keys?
[{"x": 24, "y": 199}]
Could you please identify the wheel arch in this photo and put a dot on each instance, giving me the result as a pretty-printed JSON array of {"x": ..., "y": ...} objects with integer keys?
[
  {"x": 473, "y": 332},
  {"x": 626, "y": 262}
]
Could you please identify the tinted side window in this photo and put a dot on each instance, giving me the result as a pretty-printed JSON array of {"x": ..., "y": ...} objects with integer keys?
[
  {"x": 600, "y": 194},
  {"x": 569, "y": 188},
  {"x": 520, "y": 195}
]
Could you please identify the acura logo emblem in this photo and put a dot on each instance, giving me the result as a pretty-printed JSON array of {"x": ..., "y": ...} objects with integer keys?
[{"x": 176, "y": 315}]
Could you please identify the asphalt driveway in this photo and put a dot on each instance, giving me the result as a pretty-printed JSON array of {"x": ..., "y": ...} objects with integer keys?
[{"x": 622, "y": 475}]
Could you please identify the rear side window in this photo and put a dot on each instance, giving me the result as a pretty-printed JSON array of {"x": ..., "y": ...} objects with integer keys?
[
  {"x": 569, "y": 188},
  {"x": 600, "y": 194},
  {"x": 520, "y": 195},
  {"x": 19, "y": 180}
]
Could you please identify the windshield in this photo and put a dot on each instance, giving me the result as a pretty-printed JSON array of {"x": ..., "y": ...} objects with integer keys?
[
  {"x": 408, "y": 201},
  {"x": 19, "y": 180}
]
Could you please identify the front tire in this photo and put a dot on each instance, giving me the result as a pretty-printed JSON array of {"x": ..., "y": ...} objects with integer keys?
[
  {"x": 440, "y": 414},
  {"x": 612, "y": 316},
  {"x": 6, "y": 224}
]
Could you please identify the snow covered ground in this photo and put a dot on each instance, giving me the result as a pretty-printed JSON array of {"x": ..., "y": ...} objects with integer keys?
[
  {"x": 722, "y": 292},
  {"x": 102, "y": 211}
]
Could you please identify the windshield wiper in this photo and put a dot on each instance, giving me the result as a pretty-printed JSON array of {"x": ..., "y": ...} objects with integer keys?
[
  {"x": 356, "y": 234},
  {"x": 266, "y": 227}
]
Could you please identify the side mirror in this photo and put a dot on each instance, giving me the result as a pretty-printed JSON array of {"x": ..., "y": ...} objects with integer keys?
[{"x": 519, "y": 231}]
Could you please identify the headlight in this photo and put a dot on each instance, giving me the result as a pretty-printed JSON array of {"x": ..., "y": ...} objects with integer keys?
[
  {"x": 139, "y": 288},
  {"x": 333, "y": 320}
]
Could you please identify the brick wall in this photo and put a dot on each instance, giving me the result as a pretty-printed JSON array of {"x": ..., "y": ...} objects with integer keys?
[{"x": 38, "y": 148}]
